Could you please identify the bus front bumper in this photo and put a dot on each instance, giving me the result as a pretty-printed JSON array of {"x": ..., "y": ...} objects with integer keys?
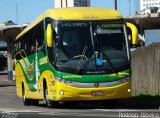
[{"x": 65, "y": 92}]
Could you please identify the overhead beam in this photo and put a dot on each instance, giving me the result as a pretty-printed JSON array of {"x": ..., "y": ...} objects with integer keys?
[{"x": 9, "y": 32}]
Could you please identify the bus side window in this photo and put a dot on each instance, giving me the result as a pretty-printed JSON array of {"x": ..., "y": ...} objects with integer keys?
[
  {"x": 40, "y": 38},
  {"x": 33, "y": 43},
  {"x": 40, "y": 44},
  {"x": 33, "y": 49}
]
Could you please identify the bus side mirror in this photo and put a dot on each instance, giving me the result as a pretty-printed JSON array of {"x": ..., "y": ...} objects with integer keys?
[
  {"x": 49, "y": 35},
  {"x": 134, "y": 34}
]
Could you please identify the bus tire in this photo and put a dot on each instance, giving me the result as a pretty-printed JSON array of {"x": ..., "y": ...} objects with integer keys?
[
  {"x": 49, "y": 103},
  {"x": 26, "y": 101},
  {"x": 109, "y": 104}
]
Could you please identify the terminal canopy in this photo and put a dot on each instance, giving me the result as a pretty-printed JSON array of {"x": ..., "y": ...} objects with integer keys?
[
  {"x": 9, "y": 32},
  {"x": 146, "y": 23}
]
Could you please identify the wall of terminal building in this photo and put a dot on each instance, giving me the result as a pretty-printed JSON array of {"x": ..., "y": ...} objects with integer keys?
[
  {"x": 145, "y": 4},
  {"x": 71, "y": 3}
]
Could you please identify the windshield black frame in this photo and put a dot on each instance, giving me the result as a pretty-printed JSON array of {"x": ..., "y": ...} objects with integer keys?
[{"x": 82, "y": 62}]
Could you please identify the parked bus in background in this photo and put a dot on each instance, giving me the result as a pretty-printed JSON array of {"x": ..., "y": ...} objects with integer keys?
[{"x": 74, "y": 54}]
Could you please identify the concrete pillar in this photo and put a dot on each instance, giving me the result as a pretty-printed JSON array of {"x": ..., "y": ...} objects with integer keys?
[
  {"x": 10, "y": 59},
  {"x": 142, "y": 43}
]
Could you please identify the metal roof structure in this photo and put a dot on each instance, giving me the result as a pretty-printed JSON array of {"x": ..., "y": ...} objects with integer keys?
[
  {"x": 145, "y": 22},
  {"x": 9, "y": 32}
]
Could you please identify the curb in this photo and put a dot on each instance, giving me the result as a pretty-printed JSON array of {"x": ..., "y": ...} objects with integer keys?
[{"x": 7, "y": 83}]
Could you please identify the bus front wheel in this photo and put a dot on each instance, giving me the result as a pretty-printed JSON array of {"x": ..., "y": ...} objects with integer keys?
[{"x": 49, "y": 103}]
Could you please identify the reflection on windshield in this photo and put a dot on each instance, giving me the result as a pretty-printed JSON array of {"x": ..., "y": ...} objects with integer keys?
[
  {"x": 73, "y": 38},
  {"x": 80, "y": 44},
  {"x": 109, "y": 36}
]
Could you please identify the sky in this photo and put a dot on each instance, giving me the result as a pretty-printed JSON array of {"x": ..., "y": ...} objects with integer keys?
[{"x": 28, "y": 10}]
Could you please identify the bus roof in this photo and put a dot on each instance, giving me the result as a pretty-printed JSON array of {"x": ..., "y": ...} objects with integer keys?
[{"x": 75, "y": 13}]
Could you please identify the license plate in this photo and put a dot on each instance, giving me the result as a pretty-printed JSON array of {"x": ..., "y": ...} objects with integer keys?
[{"x": 97, "y": 93}]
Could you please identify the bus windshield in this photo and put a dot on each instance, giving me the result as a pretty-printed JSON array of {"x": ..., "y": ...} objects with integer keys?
[{"x": 91, "y": 47}]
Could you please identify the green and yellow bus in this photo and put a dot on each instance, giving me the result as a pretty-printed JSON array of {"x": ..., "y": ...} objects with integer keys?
[{"x": 73, "y": 54}]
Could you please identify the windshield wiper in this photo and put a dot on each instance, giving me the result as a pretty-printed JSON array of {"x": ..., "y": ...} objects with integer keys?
[
  {"x": 110, "y": 63},
  {"x": 81, "y": 59},
  {"x": 88, "y": 61},
  {"x": 106, "y": 57},
  {"x": 94, "y": 56}
]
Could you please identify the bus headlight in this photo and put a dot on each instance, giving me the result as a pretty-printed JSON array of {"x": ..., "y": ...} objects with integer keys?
[{"x": 63, "y": 81}]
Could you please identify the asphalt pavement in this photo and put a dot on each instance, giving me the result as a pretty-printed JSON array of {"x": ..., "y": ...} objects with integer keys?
[{"x": 12, "y": 107}]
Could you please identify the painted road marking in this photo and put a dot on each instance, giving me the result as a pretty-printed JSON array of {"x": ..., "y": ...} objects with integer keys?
[
  {"x": 17, "y": 110},
  {"x": 129, "y": 110}
]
